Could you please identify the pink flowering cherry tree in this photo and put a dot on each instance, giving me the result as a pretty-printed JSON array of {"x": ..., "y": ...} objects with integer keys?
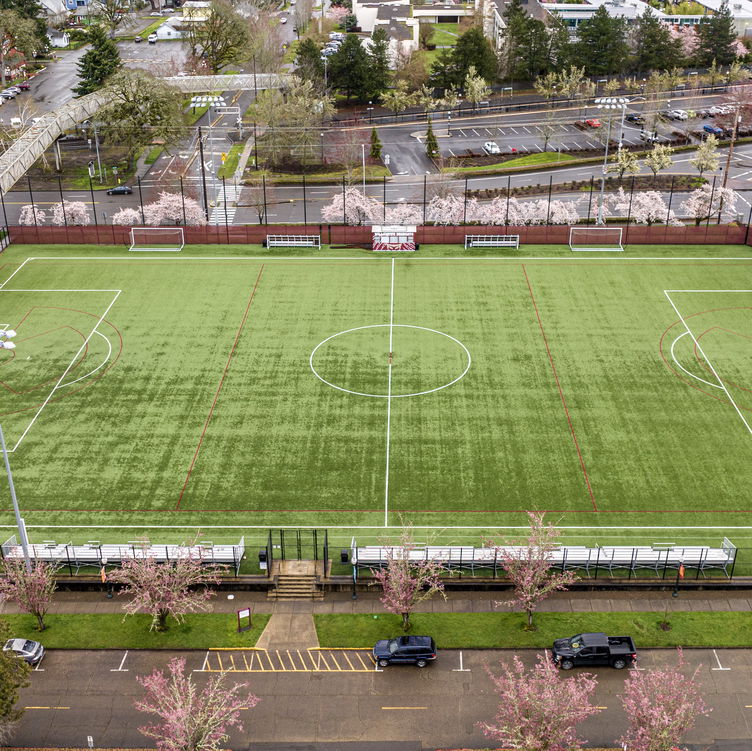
[
  {"x": 405, "y": 583},
  {"x": 127, "y": 217},
  {"x": 190, "y": 718},
  {"x": 645, "y": 207},
  {"x": 31, "y": 590},
  {"x": 447, "y": 209},
  {"x": 661, "y": 706},
  {"x": 70, "y": 213},
  {"x": 354, "y": 206},
  {"x": 170, "y": 207},
  {"x": 706, "y": 202},
  {"x": 528, "y": 567},
  {"x": 31, "y": 215},
  {"x": 538, "y": 710},
  {"x": 170, "y": 589}
]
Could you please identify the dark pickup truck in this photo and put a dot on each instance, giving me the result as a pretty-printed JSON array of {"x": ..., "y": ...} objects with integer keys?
[{"x": 585, "y": 650}]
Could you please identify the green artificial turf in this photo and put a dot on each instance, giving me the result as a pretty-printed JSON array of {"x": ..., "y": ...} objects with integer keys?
[
  {"x": 115, "y": 631},
  {"x": 197, "y": 406},
  {"x": 506, "y": 630}
]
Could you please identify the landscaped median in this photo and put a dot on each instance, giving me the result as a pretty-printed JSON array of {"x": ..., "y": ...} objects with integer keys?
[
  {"x": 115, "y": 631},
  {"x": 505, "y": 630}
]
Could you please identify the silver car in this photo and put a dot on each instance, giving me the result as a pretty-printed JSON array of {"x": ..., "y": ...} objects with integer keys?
[
  {"x": 26, "y": 649},
  {"x": 491, "y": 147}
]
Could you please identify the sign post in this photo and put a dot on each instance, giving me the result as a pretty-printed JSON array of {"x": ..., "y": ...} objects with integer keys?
[{"x": 244, "y": 620}]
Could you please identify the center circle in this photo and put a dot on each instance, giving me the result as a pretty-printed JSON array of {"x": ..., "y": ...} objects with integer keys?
[{"x": 358, "y": 361}]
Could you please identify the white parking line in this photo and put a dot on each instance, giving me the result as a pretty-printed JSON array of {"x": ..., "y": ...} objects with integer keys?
[
  {"x": 488, "y": 131},
  {"x": 461, "y": 668},
  {"x": 121, "y": 669},
  {"x": 462, "y": 133},
  {"x": 538, "y": 147},
  {"x": 523, "y": 147},
  {"x": 513, "y": 130},
  {"x": 501, "y": 132},
  {"x": 37, "y": 669},
  {"x": 720, "y": 667},
  {"x": 476, "y": 132},
  {"x": 525, "y": 128},
  {"x": 451, "y": 153}
]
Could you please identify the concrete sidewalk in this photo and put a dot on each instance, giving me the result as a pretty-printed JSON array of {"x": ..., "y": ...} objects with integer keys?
[{"x": 456, "y": 602}]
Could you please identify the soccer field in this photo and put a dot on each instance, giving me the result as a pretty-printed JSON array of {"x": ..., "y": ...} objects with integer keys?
[{"x": 220, "y": 389}]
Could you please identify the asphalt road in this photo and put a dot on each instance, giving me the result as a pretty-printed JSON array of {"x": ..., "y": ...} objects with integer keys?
[{"x": 78, "y": 694}]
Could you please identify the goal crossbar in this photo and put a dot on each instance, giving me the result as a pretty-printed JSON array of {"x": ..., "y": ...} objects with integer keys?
[
  {"x": 157, "y": 239},
  {"x": 595, "y": 239}
]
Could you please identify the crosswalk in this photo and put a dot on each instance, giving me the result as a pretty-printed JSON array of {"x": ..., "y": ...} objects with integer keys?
[
  {"x": 312, "y": 660},
  {"x": 225, "y": 204}
]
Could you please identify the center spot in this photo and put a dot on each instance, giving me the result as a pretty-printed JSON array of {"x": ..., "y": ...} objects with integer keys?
[{"x": 421, "y": 360}]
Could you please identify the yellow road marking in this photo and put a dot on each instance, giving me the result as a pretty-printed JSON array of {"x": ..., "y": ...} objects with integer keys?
[
  {"x": 404, "y": 707},
  {"x": 46, "y": 707},
  {"x": 601, "y": 707}
]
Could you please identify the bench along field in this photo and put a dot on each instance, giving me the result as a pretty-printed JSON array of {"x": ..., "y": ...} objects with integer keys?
[{"x": 239, "y": 387}]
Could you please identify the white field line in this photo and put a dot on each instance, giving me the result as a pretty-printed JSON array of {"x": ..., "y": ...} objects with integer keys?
[
  {"x": 66, "y": 371},
  {"x": 101, "y": 364},
  {"x": 15, "y": 272},
  {"x": 348, "y": 527},
  {"x": 511, "y": 259},
  {"x": 682, "y": 368},
  {"x": 710, "y": 364},
  {"x": 389, "y": 398}
]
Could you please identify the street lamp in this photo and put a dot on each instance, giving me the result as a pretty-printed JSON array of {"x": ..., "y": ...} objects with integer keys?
[
  {"x": 5, "y": 336},
  {"x": 609, "y": 103}
]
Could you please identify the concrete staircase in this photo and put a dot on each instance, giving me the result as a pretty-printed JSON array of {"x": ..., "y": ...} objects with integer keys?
[{"x": 296, "y": 580}]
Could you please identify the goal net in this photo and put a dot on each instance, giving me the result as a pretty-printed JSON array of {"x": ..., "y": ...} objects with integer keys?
[
  {"x": 595, "y": 238},
  {"x": 157, "y": 238}
]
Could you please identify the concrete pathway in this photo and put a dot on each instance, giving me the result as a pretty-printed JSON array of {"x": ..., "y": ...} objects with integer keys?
[{"x": 289, "y": 631}]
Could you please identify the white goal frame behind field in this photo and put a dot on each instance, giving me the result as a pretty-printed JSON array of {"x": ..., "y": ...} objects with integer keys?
[
  {"x": 595, "y": 238},
  {"x": 157, "y": 239}
]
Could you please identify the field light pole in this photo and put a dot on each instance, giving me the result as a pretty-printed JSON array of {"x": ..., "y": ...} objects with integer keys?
[
  {"x": 609, "y": 103},
  {"x": 5, "y": 336}
]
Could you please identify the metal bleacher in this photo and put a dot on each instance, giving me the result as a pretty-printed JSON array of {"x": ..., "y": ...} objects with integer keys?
[
  {"x": 97, "y": 554},
  {"x": 659, "y": 558}
]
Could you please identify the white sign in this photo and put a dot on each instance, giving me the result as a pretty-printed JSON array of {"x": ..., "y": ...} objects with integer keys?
[{"x": 244, "y": 613}]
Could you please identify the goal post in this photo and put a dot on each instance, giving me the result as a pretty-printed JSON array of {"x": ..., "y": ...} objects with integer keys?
[
  {"x": 595, "y": 238},
  {"x": 157, "y": 239}
]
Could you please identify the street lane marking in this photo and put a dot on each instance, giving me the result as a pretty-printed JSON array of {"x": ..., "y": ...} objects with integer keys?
[
  {"x": 121, "y": 669},
  {"x": 720, "y": 667},
  {"x": 404, "y": 707}
]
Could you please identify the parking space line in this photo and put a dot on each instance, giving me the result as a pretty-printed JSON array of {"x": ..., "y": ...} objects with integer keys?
[
  {"x": 121, "y": 669},
  {"x": 451, "y": 153},
  {"x": 348, "y": 661},
  {"x": 488, "y": 131},
  {"x": 514, "y": 130},
  {"x": 525, "y": 128},
  {"x": 462, "y": 133},
  {"x": 461, "y": 668},
  {"x": 206, "y": 660},
  {"x": 501, "y": 132},
  {"x": 538, "y": 147},
  {"x": 718, "y": 662},
  {"x": 476, "y": 132},
  {"x": 523, "y": 147},
  {"x": 404, "y": 707}
]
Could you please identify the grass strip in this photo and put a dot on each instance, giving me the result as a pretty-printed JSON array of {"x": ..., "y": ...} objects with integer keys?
[
  {"x": 153, "y": 154},
  {"x": 149, "y": 29},
  {"x": 115, "y": 631},
  {"x": 374, "y": 172},
  {"x": 227, "y": 170},
  {"x": 506, "y": 630}
]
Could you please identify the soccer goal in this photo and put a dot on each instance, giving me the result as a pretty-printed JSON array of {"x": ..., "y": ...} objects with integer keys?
[
  {"x": 157, "y": 238},
  {"x": 595, "y": 238}
]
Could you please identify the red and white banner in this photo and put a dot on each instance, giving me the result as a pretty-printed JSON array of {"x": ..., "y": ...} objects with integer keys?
[{"x": 393, "y": 246}]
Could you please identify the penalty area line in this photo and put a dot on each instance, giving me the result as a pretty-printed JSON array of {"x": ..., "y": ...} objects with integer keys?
[
  {"x": 707, "y": 360},
  {"x": 389, "y": 398}
]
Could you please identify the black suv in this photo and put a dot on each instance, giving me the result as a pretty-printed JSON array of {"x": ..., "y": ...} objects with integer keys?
[{"x": 417, "y": 650}]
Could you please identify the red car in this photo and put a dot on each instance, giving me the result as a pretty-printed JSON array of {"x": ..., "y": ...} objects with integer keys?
[{"x": 593, "y": 122}]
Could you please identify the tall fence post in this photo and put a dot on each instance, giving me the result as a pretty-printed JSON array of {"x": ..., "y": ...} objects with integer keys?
[
  {"x": 203, "y": 170},
  {"x": 464, "y": 206},
  {"x": 710, "y": 206},
  {"x": 93, "y": 205},
  {"x": 590, "y": 201},
  {"x": 550, "y": 188},
  {"x": 384, "y": 201},
  {"x": 509, "y": 193},
  {"x": 425, "y": 181},
  {"x": 263, "y": 188},
  {"x": 62, "y": 204},
  {"x": 344, "y": 202},
  {"x": 141, "y": 200},
  {"x": 305, "y": 212},
  {"x": 224, "y": 195},
  {"x": 182, "y": 199}
]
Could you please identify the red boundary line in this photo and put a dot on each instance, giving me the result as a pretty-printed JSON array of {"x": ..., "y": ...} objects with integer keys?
[
  {"x": 219, "y": 387},
  {"x": 561, "y": 393}
]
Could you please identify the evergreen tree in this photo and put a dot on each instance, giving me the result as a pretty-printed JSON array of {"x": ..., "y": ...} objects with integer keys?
[
  {"x": 379, "y": 63},
  {"x": 602, "y": 44},
  {"x": 473, "y": 48},
  {"x": 512, "y": 44},
  {"x": 432, "y": 145},
  {"x": 98, "y": 63},
  {"x": 534, "y": 50},
  {"x": 654, "y": 47},
  {"x": 308, "y": 63},
  {"x": 717, "y": 34},
  {"x": 444, "y": 72},
  {"x": 559, "y": 43},
  {"x": 375, "y": 152},
  {"x": 349, "y": 69}
]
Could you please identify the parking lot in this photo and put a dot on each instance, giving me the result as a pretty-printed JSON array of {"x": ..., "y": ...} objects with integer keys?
[{"x": 74, "y": 694}]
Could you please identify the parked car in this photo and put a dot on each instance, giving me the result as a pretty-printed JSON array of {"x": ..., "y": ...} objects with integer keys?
[
  {"x": 31, "y": 651},
  {"x": 586, "y": 650},
  {"x": 678, "y": 115},
  {"x": 283, "y": 19},
  {"x": 491, "y": 147},
  {"x": 152, "y": 38},
  {"x": 633, "y": 117},
  {"x": 7, "y": 94},
  {"x": 337, "y": 35},
  {"x": 14, "y": 89},
  {"x": 327, "y": 52},
  {"x": 138, "y": 40},
  {"x": 648, "y": 136},
  {"x": 120, "y": 190},
  {"x": 23, "y": 85},
  {"x": 713, "y": 129},
  {"x": 415, "y": 650},
  {"x": 593, "y": 122}
]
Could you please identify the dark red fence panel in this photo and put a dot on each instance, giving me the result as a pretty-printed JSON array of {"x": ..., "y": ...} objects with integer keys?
[{"x": 337, "y": 234}]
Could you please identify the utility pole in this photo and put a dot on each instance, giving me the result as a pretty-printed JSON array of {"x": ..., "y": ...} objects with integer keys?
[
  {"x": 737, "y": 118},
  {"x": 19, "y": 521}
]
